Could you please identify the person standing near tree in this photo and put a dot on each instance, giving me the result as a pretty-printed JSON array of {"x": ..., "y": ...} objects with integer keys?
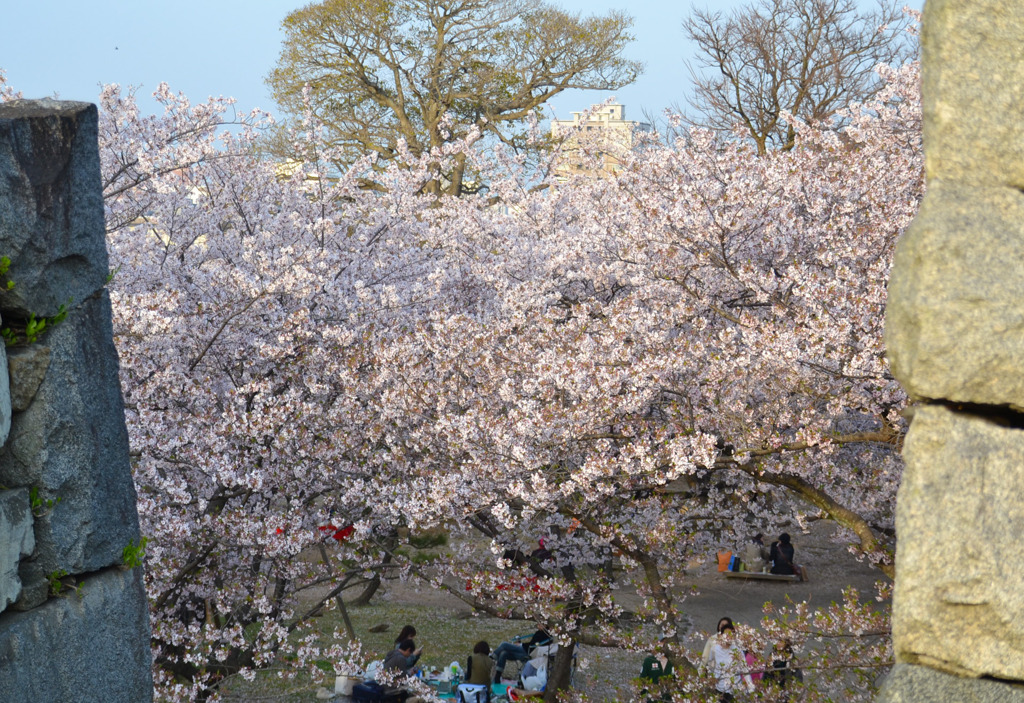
[
  {"x": 706, "y": 656},
  {"x": 782, "y": 670},
  {"x": 655, "y": 667},
  {"x": 728, "y": 665}
]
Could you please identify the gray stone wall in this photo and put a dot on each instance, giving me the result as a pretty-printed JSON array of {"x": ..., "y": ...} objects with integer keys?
[
  {"x": 74, "y": 620},
  {"x": 955, "y": 336}
]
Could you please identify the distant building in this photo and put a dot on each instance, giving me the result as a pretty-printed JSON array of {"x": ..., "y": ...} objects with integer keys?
[{"x": 594, "y": 146}]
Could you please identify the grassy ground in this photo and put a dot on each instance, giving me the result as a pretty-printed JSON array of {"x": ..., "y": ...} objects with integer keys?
[
  {"x": 447, "y": 632},
  {"x": 446, "y": 635}
]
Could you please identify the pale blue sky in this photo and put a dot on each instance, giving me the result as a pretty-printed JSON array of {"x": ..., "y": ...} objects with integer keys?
[{"x": 216, "y": 47}]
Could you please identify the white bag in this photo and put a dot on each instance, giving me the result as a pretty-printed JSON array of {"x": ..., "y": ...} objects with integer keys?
[
  {"x": 373, "y": 670},
  {"x": 345, "y": 684},
  {"x": 535, "y": 673}
]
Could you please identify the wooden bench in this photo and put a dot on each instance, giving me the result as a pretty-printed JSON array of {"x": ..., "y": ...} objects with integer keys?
[{"x": 760, "y": 576}]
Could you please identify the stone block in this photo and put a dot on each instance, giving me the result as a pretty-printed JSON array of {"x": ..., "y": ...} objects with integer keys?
[
  {"x": 51, "y": 205},
  {"x": 91, "y": 647},
  {"x": 958, "y": 605},
  {"x": 917, "y": 684},
  {"x": 35, "y": 587},
  {"x": 955, "y": 322},
  {"x": 71, "y": 443},
  {"x": 27, "y": 369},
  {"x": 16, "y": 541},
  {"x": 973, "y": 91},
  {"x": 5, "y": 396}
]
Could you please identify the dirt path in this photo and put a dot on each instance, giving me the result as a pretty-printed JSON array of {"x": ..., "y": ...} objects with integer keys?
[
  {"x": 831, "y": 568},
  {"x": 606, "y": 673}
]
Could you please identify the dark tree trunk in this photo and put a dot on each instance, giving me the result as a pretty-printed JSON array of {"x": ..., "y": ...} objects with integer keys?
[
  {"x": 364, "y": 597},
  {"x": 337, "y": 599},
  {"x": 371, "y": 588},
  {"x": 560, "y": 674}
]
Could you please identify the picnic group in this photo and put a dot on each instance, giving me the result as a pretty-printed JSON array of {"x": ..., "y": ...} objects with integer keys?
[
  {"x": 483, "y": 676},
  {"x": 481, "y": 679}
]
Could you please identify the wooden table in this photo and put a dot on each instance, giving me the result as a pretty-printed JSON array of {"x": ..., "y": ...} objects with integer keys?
[{"x": 760, "y": 575}]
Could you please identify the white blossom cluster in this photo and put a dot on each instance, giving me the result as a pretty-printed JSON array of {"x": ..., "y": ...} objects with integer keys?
[{"x": 637, "y": 370}]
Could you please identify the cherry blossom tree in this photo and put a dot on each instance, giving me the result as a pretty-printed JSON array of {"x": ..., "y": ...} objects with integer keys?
[
  {"x": 6, "y": 91},
  {"x": 687, "y": 350},
  {"x": 219, "y": 258},
  {"x": 638, "y": 370}
]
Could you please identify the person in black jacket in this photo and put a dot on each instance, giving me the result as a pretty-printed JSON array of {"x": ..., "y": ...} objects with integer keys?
[
  {"x": 782, "y": 671},
  {"x": 517, "y": 652},
  {"x": 782, "y": 553}
]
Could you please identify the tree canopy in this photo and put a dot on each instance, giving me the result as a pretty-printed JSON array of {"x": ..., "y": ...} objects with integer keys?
[
  {"x": 807, "y": 58},
  {"x": 429, "y": 71},
  {"x": 647, "y": 367}
]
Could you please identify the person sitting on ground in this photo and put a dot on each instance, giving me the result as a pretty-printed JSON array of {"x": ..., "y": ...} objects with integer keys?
[
  {"x": 782, "y": 553},
  {"x": 478, "y": 665},
  {"x": 407, "y": 634},
  {"x": 397, "y": 663},
  {"x": 755, "y": 553},
  {"x": 706, "y": 656},
  {"x": 402, "y": 658},
  {"x": 517, "y": 652}
]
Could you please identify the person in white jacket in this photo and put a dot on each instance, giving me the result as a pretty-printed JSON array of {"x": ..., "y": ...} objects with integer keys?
[
  {"x": 728, "y": 665},
  {"x": 706, "y": 657}
]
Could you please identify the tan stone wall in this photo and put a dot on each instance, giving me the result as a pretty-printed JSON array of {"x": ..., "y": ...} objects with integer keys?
[{"x": 955, "y": 336}]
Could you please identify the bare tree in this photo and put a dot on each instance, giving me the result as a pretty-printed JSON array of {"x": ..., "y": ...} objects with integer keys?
[
  {"x": 427, "y": 71},
  {"x": 809, "y": 58}
]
